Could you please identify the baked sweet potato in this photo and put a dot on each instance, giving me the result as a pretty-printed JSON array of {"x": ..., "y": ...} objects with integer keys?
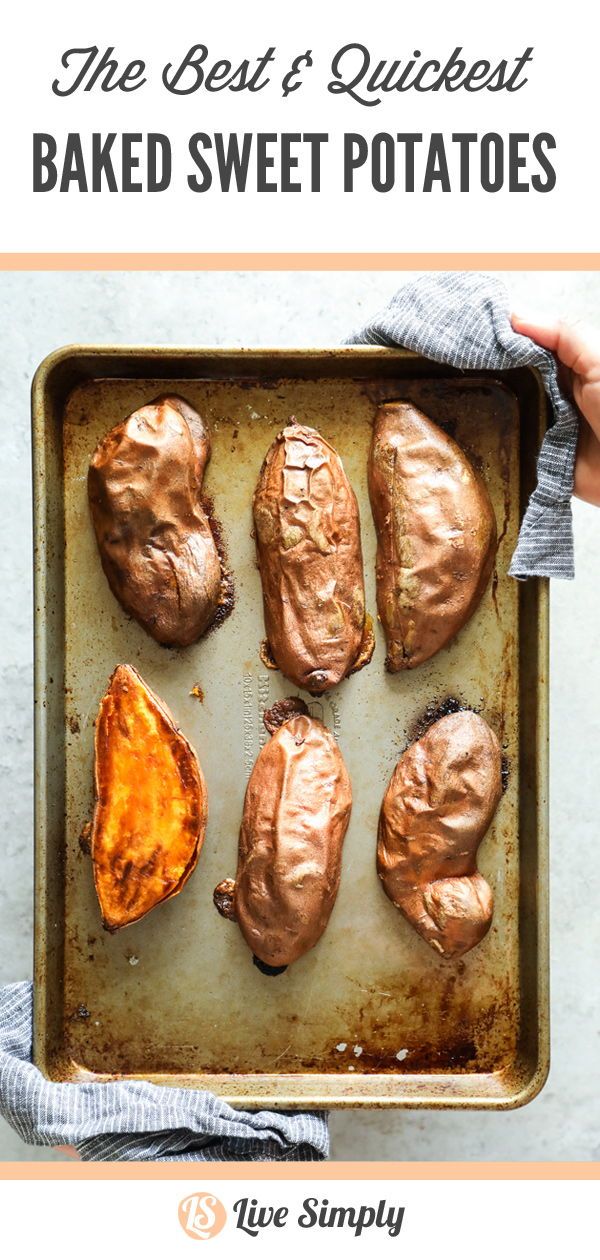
[
  {"x": 436, "y": 534},
  {"x": 296, "y": 813},
  {"x": 154, "y": 537},
  {"x": 308, "y": 545},
  {"x": 151, "y": 802},
  {"x": 439, "y": 804}
]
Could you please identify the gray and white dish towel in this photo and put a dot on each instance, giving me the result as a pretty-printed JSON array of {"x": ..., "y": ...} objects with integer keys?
[
  {"x": 463, "y": 318},
  {"x": 456, "y": 318}
]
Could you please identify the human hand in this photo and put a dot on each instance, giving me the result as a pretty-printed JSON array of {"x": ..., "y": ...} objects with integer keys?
[{"x": 577, "y": 348}]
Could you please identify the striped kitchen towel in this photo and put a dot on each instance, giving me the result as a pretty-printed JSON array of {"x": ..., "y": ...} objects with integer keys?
[
  {"x": 125, "y": 1120},
  {"x": 462, "y": 318}
]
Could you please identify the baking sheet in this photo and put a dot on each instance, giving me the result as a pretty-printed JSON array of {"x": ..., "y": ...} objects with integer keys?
[{"x": 371, "y": 1015}]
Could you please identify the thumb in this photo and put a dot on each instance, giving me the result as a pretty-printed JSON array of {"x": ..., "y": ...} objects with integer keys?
[
  {"x": 576, "y": 346},
  {"x": 546, "y": 335}
]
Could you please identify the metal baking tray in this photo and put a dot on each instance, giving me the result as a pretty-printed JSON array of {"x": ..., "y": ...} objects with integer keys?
[{"x": 371, "y": 1016}]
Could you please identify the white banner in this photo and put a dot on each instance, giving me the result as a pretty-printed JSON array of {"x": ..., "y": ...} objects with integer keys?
[
  {"x": 413, "y": 1219},
  {"x": 330, "y": 127}
]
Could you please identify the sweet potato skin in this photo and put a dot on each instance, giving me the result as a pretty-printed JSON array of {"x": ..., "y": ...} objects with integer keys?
[
  {"x": 154, "y": 537},
  {"x": 436, "y": 534},
  {"x": 151, "y": 803},
  {"x": 307, "y": 532},
  {"x": 296, "y": 813},
  {"x": 438, "y": 806}
]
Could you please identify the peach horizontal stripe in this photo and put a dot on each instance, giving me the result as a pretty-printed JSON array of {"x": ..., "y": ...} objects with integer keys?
[
  {"x": 299, "y": 262},
  {"x": 332, "y": 1171}
]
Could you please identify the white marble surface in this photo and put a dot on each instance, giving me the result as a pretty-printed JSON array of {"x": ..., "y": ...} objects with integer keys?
[{"x": 39, "y": 312}]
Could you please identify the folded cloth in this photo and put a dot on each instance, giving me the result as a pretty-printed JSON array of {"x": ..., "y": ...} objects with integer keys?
[
  {"x": 462, "y": 318},
  {"x": 125, "y": 1120}
]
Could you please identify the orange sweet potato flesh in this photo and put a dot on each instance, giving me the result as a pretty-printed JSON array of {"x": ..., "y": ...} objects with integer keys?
[{"x": 151, "y": 803}]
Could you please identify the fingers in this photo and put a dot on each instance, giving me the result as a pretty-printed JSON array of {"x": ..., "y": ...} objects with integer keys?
[
  {"x": 70, "y": 1151},
  {"x": 586, "y": 484},
  {"x": 577, "y": 346},
  {"x": 545, "y": 335}
]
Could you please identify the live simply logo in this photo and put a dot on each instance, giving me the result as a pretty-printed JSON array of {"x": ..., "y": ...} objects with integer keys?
[{"x": 203, "y": 1216}]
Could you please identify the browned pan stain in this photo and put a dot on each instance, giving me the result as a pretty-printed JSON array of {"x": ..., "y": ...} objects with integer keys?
[
  {"x": 437, "y": 709},
  {"x": 227, "y": 599},
  {"x": 432, "y": 713}
]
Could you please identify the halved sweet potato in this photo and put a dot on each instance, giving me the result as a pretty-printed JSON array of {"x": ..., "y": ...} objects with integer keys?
[{"x": 151, "y": 802}]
